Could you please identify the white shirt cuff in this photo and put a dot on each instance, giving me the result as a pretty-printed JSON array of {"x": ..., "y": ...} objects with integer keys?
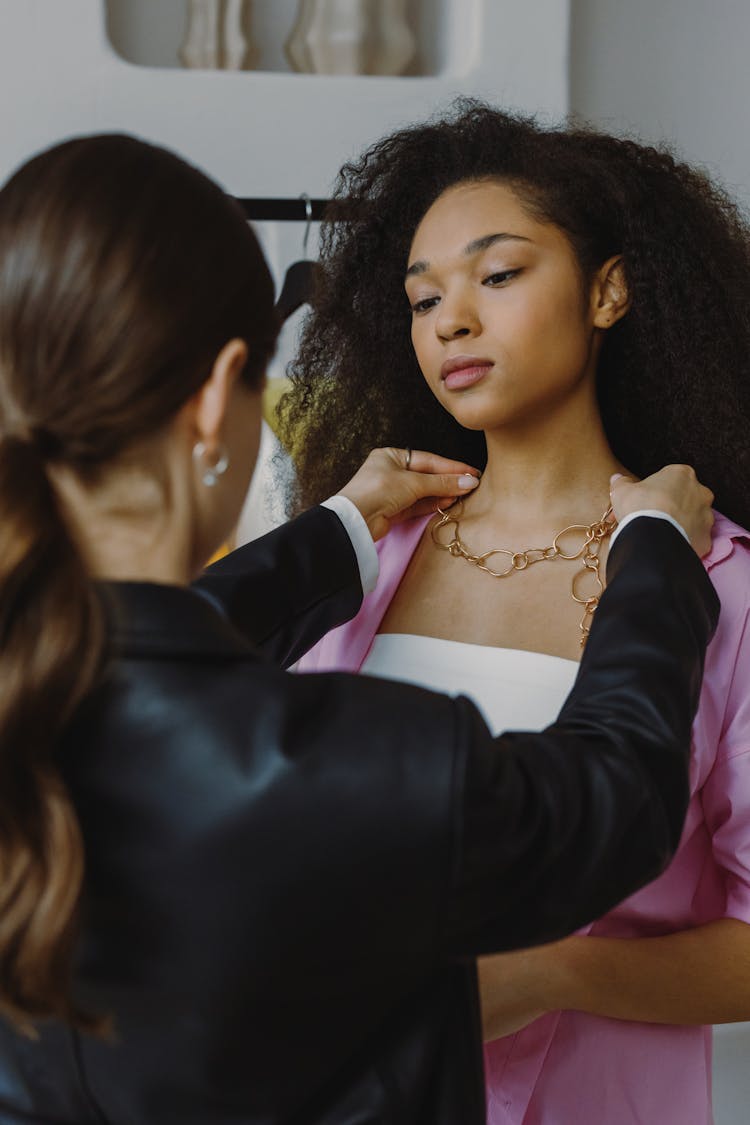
[
  {"x": 647, "y": 512},
  {"x": 359, "y": 533}
]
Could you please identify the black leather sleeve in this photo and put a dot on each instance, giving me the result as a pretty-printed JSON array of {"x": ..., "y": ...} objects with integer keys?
[
  {"x": 555, "y": 828},
  {"x": 287, "y": 589}
]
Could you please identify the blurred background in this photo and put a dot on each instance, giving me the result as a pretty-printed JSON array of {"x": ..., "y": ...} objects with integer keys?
[{"x": 270, "y": 97}]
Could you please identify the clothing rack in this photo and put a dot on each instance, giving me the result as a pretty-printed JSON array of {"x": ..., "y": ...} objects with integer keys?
[{"x": 298, "y": 210}]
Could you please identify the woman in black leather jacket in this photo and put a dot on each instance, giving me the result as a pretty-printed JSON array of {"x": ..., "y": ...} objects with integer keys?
[{"x": 231, "y": 894}]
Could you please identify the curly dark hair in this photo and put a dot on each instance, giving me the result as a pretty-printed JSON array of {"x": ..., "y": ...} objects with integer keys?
[{"x": 674, "y": 374}]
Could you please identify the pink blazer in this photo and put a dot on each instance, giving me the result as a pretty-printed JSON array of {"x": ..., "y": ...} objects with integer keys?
[{"x": 568, "y": 1066}]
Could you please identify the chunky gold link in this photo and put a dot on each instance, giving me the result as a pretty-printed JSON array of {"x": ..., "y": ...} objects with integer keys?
[{"x": 593, "y": 536}]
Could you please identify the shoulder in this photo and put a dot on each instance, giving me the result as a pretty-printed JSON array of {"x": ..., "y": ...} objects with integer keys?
[
  {"x": 728, "y": 563},
  {"x": 242, "y": 710},
  {"x": 343, "y": 786}
]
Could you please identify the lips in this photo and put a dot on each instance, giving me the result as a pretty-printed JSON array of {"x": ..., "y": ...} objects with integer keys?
[{"x": 464, "y": 370}]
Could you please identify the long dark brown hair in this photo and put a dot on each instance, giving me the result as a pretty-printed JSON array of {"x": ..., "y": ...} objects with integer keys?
[
  {"x": 123, "y": 272},
  {"x": 673, "y": 377}
]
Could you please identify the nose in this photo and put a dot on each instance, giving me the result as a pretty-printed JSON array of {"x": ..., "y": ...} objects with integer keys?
[{"x": 457, "y": 316}]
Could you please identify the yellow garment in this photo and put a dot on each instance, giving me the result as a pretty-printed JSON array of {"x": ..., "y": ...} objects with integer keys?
[{"x": 274, "y": 389}]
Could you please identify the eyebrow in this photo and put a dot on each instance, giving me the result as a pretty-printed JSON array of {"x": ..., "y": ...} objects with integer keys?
[{"x": 475, "y": 247}]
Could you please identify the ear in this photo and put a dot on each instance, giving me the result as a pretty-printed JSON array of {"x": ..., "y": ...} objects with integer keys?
[
  {"x": 610, "y": 294},
  {"x": 210, "y": 404}
]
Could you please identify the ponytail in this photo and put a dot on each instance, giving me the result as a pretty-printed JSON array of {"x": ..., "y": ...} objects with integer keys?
[{"x": 51, "y": 647}]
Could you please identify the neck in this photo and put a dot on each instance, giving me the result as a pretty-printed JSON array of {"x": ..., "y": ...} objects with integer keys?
[
  {"x": 544, "y": 473},
  {"x": 127, "y": 532},
  {"x": 137, "y": 552}
]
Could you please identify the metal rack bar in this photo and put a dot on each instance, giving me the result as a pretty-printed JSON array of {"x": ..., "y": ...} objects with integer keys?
[{"x": 283, "y": 210}]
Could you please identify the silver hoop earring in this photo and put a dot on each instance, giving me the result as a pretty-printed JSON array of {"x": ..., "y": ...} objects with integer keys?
[{"x": 210, "y": 473}]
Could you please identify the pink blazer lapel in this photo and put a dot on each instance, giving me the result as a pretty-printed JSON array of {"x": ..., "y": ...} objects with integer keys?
[{"x": 345, "y": 649}]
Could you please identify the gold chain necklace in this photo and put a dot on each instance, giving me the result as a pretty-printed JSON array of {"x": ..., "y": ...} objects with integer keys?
[{"x": 593, "y": 536}]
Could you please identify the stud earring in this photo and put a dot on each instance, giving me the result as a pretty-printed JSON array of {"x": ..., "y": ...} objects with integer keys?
[{"x": 210, "y": 473}]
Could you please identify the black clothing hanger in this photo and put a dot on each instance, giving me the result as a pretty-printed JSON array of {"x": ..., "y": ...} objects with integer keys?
[
  {"x": 299, "y": 280},
  {"x": 298, "y": 287}
]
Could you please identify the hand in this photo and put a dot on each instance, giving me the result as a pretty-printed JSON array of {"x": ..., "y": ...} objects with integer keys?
[
  {"x": 386, "y": 491},
  {"x": 674, "y": 490}
]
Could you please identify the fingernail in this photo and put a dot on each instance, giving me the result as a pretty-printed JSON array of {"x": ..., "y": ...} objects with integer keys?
[
  {"x": 614, "y": 477},
  {"x": 466, "y": 481}
]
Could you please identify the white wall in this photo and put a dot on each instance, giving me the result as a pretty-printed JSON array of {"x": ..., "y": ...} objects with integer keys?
[
  {"x": 669, "y": 69},
  {"x": 257, "y": 133}
]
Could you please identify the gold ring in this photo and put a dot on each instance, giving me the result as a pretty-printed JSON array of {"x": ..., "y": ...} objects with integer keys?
[{"x": 408, "y": 458}]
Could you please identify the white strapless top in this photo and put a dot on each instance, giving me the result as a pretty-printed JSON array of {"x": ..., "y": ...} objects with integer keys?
[{"x": 514, "y": 690}]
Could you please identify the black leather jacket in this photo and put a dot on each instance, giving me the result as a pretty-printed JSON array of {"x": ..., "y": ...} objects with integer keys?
[{"x": 288, "y": 876}]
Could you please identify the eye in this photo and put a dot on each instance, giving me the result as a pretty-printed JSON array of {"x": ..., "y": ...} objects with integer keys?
[
  {"x": 424, "y": 305},
  {"x": 502, "y": 277}
]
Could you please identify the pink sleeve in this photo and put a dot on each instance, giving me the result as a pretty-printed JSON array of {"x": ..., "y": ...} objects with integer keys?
[
  {"x": 726, "y": 803},
  {"x": 726, "y": 792}
]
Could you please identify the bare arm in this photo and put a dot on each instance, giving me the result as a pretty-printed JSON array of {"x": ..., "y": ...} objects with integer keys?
[{"x": 697, "y": 976}]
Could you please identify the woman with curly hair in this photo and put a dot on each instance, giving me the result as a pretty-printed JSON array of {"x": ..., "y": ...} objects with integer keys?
[{"x": 554, "y": 306}]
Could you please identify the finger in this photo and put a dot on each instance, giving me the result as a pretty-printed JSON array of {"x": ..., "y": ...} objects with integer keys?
[
  {"x": 422, "y": 462},
  {"x": 618, "y": 485},
  {"x": 425, "y": 485},
  {"x": 618, "y": 479}
]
